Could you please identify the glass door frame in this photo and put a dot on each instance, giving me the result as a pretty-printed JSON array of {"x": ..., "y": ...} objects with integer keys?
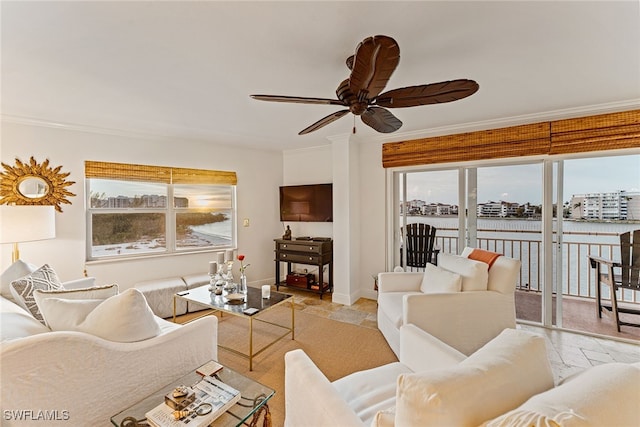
[{"x": 467, "y": 224}]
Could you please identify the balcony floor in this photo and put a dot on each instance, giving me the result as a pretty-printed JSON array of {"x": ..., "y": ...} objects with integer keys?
[{"x": 577, "y": 314}]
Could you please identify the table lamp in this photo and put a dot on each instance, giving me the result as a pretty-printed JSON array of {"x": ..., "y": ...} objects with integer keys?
[{"x": 26, "y": 223}]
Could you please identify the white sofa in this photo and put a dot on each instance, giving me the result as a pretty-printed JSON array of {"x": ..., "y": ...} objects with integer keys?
[
  {"x": 507, "y": 382},
  {"x": 465, "y": 319},
  {"x": 75, "y": 378},
  {"x": 159, "y": 293}
]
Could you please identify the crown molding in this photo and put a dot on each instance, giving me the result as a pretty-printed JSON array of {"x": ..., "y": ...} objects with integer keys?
[
  {"x": 568, "y": 113},
  {"x": 31, "y": 121}
]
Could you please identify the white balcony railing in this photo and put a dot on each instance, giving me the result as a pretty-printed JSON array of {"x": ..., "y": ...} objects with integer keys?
[{"x": 578, "y": 279}]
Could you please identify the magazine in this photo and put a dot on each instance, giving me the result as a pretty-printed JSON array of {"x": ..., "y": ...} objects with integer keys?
[{"x": 209, "y": 391}]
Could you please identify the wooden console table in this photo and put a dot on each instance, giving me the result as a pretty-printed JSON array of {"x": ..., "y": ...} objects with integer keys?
[{"x": 307, "y": 252}]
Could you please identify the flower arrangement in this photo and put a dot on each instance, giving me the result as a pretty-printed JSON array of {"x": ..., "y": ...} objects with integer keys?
[{"x": 242, "y": 266}]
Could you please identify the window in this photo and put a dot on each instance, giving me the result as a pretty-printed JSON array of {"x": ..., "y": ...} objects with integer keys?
[{"x": 137, "y": 210}]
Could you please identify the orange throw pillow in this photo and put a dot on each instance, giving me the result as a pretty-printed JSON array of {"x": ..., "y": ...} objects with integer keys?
[{"x": 484, "y": 256}]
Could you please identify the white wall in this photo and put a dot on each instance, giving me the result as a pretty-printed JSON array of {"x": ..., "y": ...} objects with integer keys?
[
  {"x": 366, "y": 197},
  {"x": 260, "y": 173},
  {"x": 308, "y": 166}
]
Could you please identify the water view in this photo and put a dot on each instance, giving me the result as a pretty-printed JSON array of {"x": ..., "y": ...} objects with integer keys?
[{"x": 522, "y": 239}]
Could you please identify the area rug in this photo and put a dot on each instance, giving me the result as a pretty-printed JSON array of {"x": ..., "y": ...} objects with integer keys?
[{"x": 337, "y": 348}]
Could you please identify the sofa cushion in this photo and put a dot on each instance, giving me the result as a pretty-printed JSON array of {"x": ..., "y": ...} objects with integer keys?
[
  {"x": 125, "y": 317},
  {"x": 53, "y": 314},
  {"x": 15, "y": 271},
  {"x": 61, "y": 314},
  {"x": 439, "y": 280},
  {"x": 369, "y": 391},
  {"x": 390, "y": 303},
  {"x": 498, "y": 377},
  {"x": 605, "y": 395},
  {"x": 22, "y": 289},
  {"x": 474, "y": 273},
  {"x": 16, "y": 322}
]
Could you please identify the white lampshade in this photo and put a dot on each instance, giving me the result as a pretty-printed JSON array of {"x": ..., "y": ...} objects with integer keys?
[{"x": 21, "y": 223}]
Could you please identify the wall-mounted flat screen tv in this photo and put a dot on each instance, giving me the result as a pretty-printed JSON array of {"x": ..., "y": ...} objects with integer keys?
[{"x": 306, "y": 203}]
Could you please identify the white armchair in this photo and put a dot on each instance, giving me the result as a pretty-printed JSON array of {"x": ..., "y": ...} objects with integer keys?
[{"x": 465, "y": 319}]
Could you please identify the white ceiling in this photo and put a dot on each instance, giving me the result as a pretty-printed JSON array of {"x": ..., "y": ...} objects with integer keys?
[{"x": 186, "y": 69}]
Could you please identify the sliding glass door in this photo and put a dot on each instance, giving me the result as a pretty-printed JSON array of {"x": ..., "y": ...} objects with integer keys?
[{"x": 550, "y": 214}]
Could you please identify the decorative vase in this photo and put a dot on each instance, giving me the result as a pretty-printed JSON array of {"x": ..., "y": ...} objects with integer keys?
[{"x": 242, "y": 287}]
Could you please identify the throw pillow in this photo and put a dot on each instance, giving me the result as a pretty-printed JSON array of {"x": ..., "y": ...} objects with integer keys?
[
  {"x": 41, "y": 297},
  {"x": 44, "y": 278},
  {"x": 484, "y": 256},
  {"x": 125, "y": 317},
  {"x": 15, "y": 271},
  {"x": 475, "y": 274},
  {"x": 581, "y": 401},
  {"x": 63, "y": 314},
  {"x": 439, "y": 280},
  {"x": 495, "y": 379}
]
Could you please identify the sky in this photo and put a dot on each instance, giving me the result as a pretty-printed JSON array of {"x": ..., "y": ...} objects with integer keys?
[{"x": 523, "y": 183}]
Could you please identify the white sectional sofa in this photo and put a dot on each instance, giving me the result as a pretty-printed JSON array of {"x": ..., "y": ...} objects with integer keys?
[
  {"x": 79, "y": 379},
  {"x": 159, "y": 293},
  {"x": 461, "y": 301},
  {"x": 506, "y": 383}
]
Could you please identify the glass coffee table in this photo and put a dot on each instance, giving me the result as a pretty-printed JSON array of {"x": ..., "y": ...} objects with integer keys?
[
  {"x": 254, "y": 396},
  {"x": 253, "y": 300}
]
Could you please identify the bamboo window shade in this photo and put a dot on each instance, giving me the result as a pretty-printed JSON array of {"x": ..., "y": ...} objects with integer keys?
[
  {"x": 158, "y": 174},
  {"x": 594, "y": 133}
]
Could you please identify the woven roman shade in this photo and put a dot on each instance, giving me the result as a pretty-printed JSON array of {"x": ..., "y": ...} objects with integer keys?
[
  {"x": 159, "y": 174},
  {"x": 489, "y": 144},
  {"x": 594, "y": 133}
]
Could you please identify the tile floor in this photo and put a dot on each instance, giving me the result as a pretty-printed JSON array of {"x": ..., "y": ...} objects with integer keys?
[{"x": 568, "y": 352}]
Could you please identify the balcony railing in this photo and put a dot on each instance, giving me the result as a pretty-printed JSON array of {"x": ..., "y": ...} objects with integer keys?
[{"x": 578, "y": 279}]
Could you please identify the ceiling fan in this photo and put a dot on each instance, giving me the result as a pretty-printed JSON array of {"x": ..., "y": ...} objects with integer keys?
[{"x": 371, "y": 67}]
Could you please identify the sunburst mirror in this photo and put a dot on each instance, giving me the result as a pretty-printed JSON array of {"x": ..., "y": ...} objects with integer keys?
[{"x": 34, "y": 183}]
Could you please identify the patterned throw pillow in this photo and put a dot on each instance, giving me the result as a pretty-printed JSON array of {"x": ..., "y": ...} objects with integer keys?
[{"x": 22, "y": 289}]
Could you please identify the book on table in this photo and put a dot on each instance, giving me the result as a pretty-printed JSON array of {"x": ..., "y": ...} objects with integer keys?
[{"x": 209, "y": 391}]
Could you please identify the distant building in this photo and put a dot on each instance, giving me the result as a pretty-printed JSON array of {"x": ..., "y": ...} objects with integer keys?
[
  {"x": 499, "y": 209},
  {"x": 616, "y": 205}
]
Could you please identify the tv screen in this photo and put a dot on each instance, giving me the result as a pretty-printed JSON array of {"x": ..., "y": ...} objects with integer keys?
[{"x": 306, "y": 203}]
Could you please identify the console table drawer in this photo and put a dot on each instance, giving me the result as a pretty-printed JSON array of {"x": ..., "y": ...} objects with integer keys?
[
  {"x": 301, "y": 258},
  {"x": 300, "y": 247}
]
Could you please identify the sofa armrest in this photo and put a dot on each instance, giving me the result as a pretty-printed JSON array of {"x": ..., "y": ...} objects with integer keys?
[
  {"x": 310, "y": 399},
  {"x": 92, "y": 378},
  {"x": 421, "y": 351},
  {"x": 399, "y": 282},
  {"x": 464, "y": 320}
]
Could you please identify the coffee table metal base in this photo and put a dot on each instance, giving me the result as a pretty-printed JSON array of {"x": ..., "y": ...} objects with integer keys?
[{"x": 202, "y": 296}]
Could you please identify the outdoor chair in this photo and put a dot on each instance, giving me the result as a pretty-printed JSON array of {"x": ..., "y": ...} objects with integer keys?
[
  {"x": 420, "y": 245},
  {"x": 623, "y": 274}
]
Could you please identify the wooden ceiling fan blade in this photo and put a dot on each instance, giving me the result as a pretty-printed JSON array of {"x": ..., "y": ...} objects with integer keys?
[
  {"x": 323, "y": 122},
  {"x": 374, "y": 61},
  {"x": 381, "y": 120},
  {"x": 433, "y": 93},
  {"x": 297, "y": 99}
]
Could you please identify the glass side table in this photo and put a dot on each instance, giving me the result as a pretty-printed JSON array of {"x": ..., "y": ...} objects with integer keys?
[{"x": 254, "y": 397}]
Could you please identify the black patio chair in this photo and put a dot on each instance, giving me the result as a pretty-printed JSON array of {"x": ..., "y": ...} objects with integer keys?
[
  {"x": 619, "y": 275},
  {"x": 420, "y": 242}
]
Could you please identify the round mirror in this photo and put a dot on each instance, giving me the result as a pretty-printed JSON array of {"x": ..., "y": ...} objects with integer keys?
[
  {"x": 33, "y": 187},
  {"x": 34, "y": 183}
]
